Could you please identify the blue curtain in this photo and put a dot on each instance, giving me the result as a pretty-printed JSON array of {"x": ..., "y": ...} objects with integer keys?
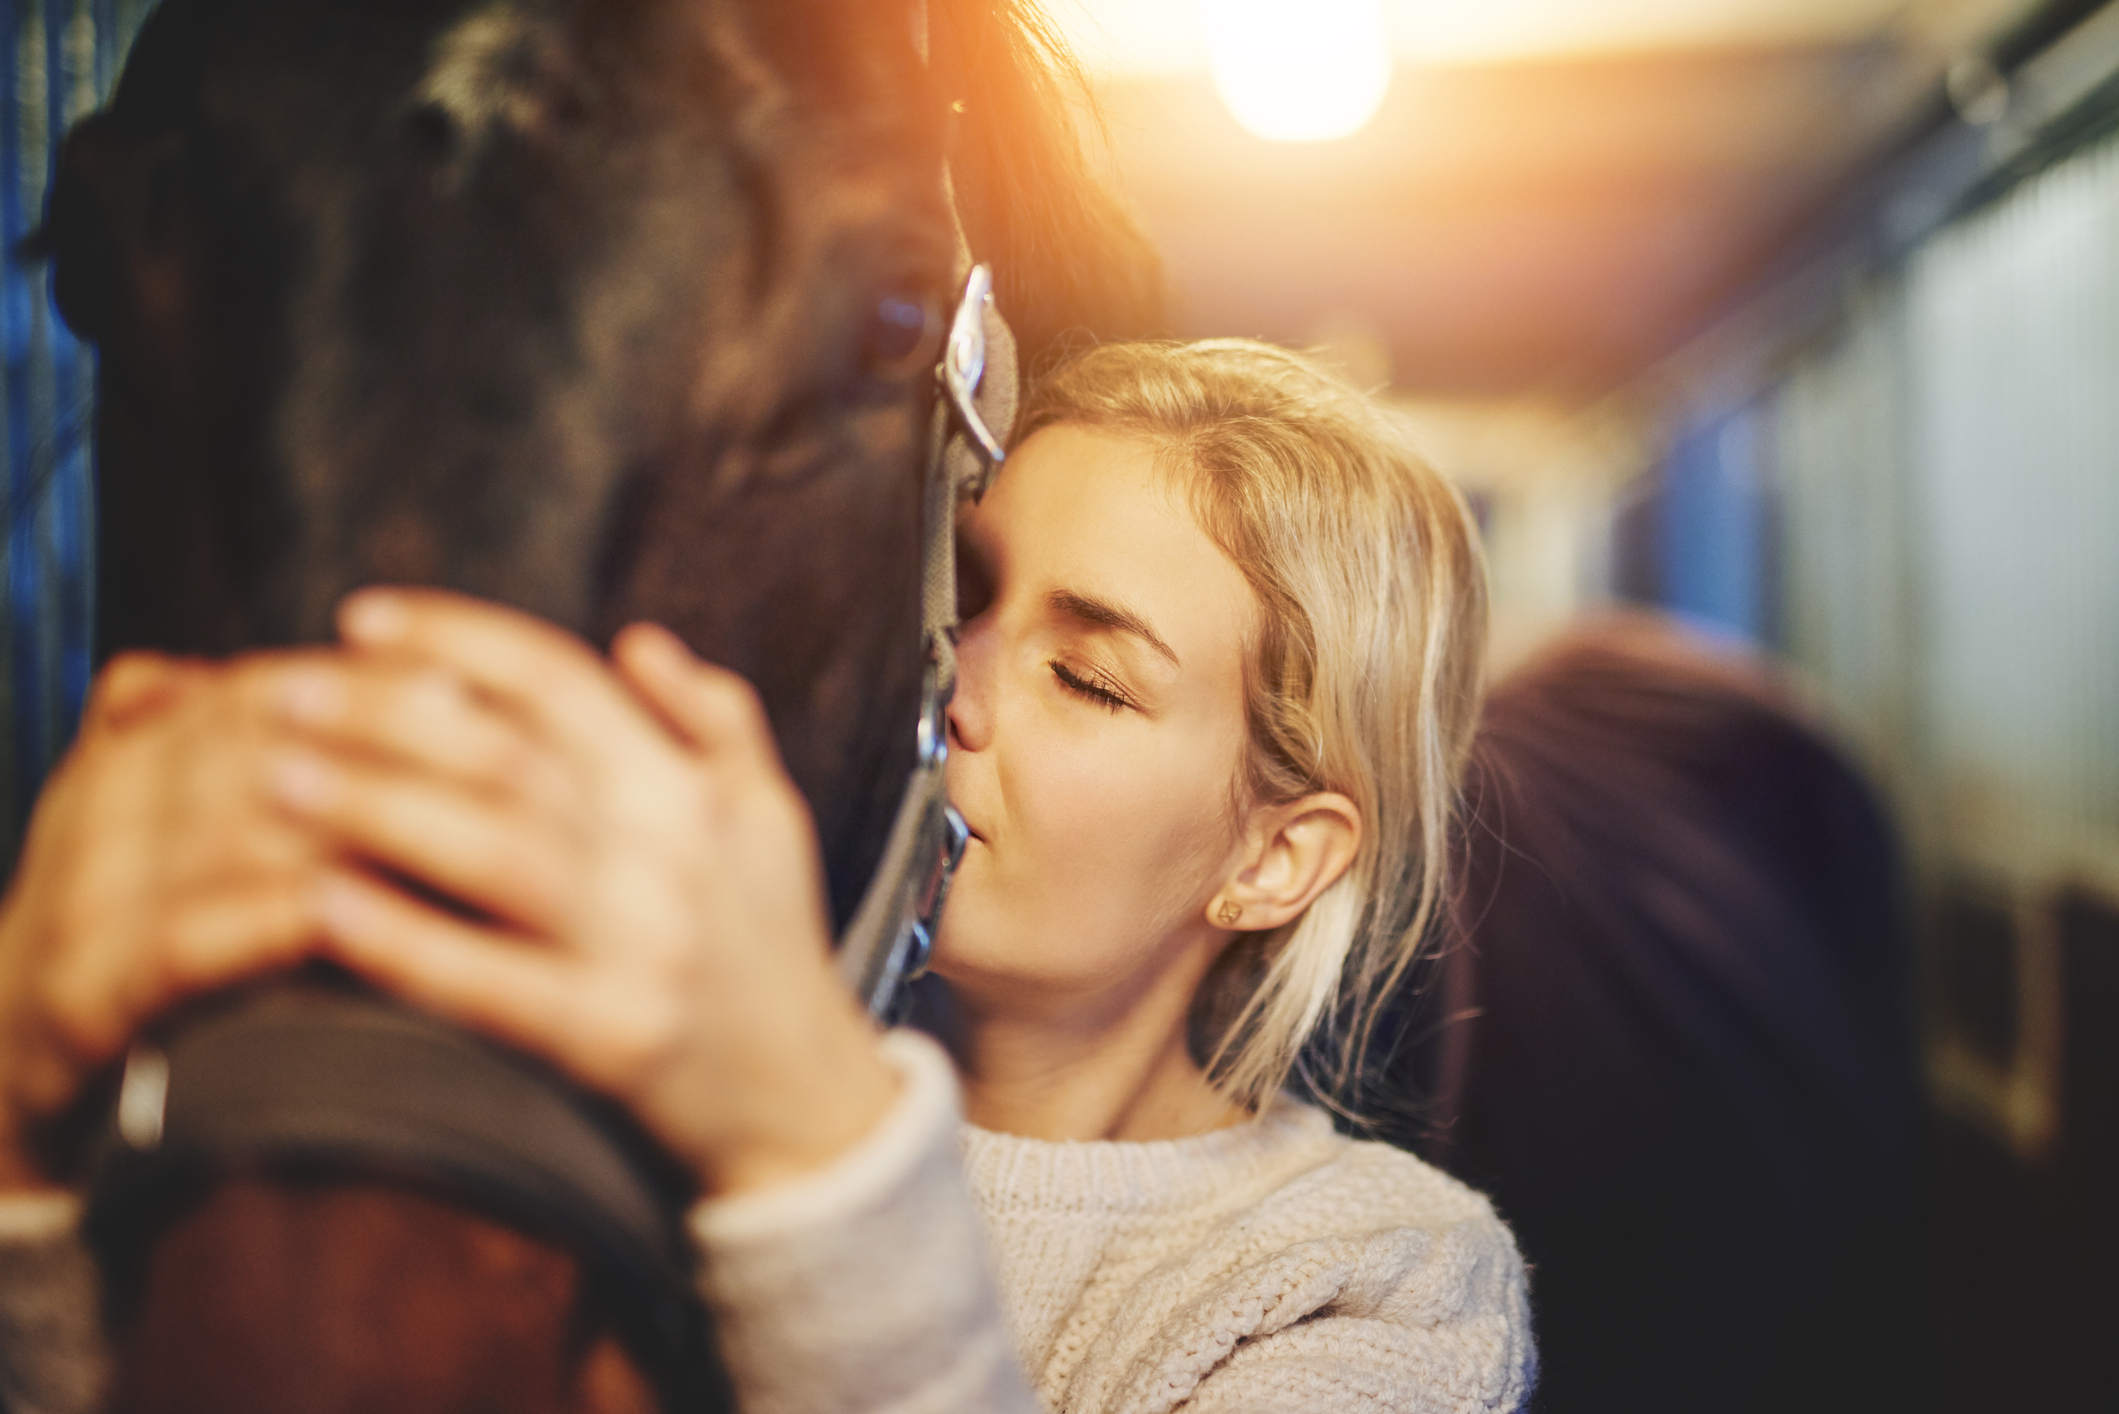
[
  {"x": 1697, "y": 537},
  {"x": 61, "y": 58}
]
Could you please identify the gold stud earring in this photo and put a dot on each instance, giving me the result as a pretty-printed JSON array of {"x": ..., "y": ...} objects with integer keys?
[{"x": 1228, "y": 913}]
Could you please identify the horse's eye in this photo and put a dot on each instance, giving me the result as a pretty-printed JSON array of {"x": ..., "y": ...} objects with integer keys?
[{"x": 899, "y": 337}]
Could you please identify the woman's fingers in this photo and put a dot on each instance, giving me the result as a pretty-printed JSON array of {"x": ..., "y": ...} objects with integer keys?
[
  {"x": 713, "y": 708},
  {"x": 542, "y": 674},
  {"x": 419, "y": 717},
  {"x": 132, "y": 685},
  {"x": 164, "y": 859},
  {"x": 495, "y": 855},
  {"x": 90, "y": 998},
  {"x": 652, "y": 920},
  {"x": 477, "y": 977}
]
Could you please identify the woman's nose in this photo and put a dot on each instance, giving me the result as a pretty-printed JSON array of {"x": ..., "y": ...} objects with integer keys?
[{"x": 970, "y": 707}]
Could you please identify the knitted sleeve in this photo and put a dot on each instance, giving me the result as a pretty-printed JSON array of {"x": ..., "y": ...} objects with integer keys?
[
  {"x": 53, "y": 1359},
  {"x": 866, "y": 1286}
]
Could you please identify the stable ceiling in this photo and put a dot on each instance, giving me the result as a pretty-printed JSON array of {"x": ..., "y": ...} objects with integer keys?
[{"x": 1554, "y": 193}]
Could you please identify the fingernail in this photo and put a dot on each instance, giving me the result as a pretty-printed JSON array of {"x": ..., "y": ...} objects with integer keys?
[
  {"x": 642, "y": 642},
  {"x": 314, "y": 696},
  {"x": 373, "y": 616},
  {"x": 304, "y": 780},
  {"x": 665, "y": 650}
]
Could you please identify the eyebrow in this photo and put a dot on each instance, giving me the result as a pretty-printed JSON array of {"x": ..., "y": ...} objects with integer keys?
[{"x": 1105, "y": 614}]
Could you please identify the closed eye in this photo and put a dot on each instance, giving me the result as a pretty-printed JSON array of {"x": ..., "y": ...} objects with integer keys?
[{"x": 1103, "y": 694}]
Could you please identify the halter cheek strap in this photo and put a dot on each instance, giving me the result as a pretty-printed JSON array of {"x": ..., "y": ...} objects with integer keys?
[{"x": 892, "y": 933}]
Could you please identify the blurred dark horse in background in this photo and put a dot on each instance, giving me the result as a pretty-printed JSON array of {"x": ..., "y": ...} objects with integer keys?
[
  {"x": 1674, "y": 1039},
  {"x": 607, "y": 309}
]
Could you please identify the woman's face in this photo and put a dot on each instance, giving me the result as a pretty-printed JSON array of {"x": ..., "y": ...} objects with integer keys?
[{"x": 1098, "y": 726}]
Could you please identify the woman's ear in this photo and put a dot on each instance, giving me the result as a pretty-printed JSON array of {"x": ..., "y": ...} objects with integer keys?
[{"x": 1294, "y": 853}]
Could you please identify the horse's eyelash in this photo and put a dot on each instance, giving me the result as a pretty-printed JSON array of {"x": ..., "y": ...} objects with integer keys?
[{"x": 1085, "y": 687}]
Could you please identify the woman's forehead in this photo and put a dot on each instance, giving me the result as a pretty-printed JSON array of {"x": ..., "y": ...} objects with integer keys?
[{"x": 1099, "y": 513}]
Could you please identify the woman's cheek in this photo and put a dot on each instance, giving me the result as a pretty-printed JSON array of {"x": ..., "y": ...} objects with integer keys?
[
  {"x": 1064, "y": 883},
  {"x": 1082, "y": 803},
  {"x": 1126, "y": 833}
]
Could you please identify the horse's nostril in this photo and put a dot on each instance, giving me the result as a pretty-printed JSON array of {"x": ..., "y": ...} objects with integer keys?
[{"x": 432, "y": 130}]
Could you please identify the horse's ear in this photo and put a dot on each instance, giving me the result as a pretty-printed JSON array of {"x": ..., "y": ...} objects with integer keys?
[{"x": 113, "y": 197}]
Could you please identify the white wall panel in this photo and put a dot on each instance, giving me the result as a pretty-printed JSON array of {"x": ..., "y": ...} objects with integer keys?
[
  {"x": 2012, "y": 328},
  {"x": 1840, "y": 444}
]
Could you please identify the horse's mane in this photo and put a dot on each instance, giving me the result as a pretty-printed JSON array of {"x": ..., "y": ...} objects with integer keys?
[{"x": 1070, "y": 263}]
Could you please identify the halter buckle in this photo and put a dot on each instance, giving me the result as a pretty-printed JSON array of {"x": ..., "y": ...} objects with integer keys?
[{"x": 963, "y": 367}]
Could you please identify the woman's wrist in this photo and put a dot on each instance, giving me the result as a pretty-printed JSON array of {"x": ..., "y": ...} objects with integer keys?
[{"x": 821, "y": 1093}]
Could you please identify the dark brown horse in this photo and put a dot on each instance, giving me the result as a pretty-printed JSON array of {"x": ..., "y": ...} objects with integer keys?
[
  {"x": 608, "y": 309},
  {"x": 1674, "y": 1040}
]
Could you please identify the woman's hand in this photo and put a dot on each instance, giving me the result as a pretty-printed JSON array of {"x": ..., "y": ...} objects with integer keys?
[
  {"x": 645, "y": 906},
  {"x": 156, "y": 866}
]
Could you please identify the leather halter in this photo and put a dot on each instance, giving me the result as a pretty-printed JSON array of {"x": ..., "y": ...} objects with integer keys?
[
  {"x": 891, "y": 936},
  {"x": 892, "y": 933}
]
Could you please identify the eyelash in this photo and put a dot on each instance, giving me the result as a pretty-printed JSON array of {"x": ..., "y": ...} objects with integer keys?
[{"x": 1083, "y": 687}]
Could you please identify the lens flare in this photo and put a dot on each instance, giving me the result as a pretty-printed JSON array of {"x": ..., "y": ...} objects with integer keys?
[{"x": 1298, "y": 70}]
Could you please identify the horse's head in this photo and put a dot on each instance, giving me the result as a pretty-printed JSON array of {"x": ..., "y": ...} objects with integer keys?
[{"x": 608, "y": 310}]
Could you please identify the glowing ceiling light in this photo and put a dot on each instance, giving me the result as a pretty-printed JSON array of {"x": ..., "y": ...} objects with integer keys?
[{"x": 1298, "y": 70}]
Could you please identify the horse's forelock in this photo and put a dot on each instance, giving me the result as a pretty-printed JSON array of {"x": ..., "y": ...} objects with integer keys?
[{"x": 485, "y": 72}]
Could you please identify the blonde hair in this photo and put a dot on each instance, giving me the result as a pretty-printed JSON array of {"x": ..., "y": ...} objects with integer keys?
[{"x": 1364, "y": 678}]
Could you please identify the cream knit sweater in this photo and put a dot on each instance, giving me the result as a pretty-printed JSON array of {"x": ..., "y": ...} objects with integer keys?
[
  {"x": 1274, "y": 1267},
  {"x": 1270, "y": 1268}
]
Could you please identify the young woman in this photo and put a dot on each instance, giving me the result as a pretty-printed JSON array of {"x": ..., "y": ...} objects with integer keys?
[{"x": 1218, "y": 673}]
